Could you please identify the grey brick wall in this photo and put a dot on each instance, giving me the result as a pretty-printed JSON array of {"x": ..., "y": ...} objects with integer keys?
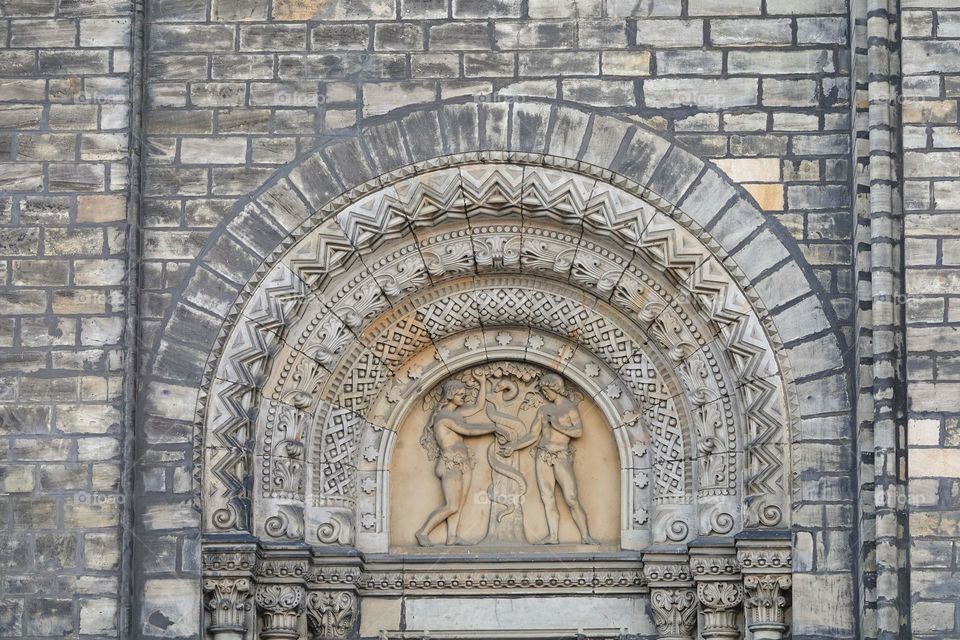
[
  {"x": 931, "y": 165},
  {"x": 65, "y": 71},
  {"x": 233, "y": 96},
  {"x": 762, "y": 90},
  {"x": 235, "y": 90}
]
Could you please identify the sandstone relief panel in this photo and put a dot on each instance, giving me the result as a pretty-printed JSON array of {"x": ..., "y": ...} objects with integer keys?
[{"x": 505, "y": 455}]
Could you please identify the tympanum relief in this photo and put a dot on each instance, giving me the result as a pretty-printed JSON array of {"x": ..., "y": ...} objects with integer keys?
[{"x": 505, "y": 454}]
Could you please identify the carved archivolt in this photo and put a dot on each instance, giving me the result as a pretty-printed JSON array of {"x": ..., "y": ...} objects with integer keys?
[{"x": 442, "y": 270}]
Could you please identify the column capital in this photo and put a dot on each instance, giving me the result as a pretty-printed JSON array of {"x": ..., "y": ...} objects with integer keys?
[
  {"x": 766, "y": 564},
  {"x": 228, "y": 602},
  {"x": 331, "y": 614},
  {"x": 280, "y": 605}
]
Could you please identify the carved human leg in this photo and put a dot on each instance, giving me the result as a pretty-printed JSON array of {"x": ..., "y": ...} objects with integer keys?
[{"x": 279, "y": 606}]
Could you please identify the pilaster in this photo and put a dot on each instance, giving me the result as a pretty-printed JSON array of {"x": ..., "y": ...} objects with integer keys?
[
  {"x": 673, "y": 600},
  {"x": 719, "y": 584},
  {"x": 766, "y": 564}
]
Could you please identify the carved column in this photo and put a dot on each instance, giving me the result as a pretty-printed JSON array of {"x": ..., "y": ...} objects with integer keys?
[
  {"x": 766, "y": 567},
  {"x": 227, "y": 585},
  {"x": 719, "y": 589},
  {"x": 227, "y": 604},
  {"x": 279, "y": 606},
  {"x": 333, "y": 602},
  {"x": 720, "y": 602},
  {"x": 673, "y": 601},
  {"x": 330, "y": 614}
]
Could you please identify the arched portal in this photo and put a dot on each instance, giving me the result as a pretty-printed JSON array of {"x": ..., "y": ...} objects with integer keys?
[{"x": 478, "y": 260}]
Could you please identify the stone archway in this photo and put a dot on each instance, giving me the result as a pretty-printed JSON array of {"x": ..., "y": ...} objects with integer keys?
[{"x": 487, "y": 258}]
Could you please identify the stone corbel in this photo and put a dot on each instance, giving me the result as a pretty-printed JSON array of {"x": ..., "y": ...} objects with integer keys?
[
  {"x": 766, "y": 566},
  {"x": 673, "y": 600},
  {"x": 719, "y": 589}
]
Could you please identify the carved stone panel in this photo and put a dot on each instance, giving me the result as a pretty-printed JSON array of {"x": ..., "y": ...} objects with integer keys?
[{"x": 505, "y": 454}]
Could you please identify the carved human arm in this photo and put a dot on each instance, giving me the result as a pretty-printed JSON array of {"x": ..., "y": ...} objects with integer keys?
[
  {"x": 471, "y": 410},
  {"x": 521, "y": 443},
  {"x": 468, "y": 428},
  {"x": 569, "y": 424}
]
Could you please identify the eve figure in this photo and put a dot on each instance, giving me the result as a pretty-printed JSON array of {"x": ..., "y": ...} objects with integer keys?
[
  {"x": 443, "y": 439},
  {"x": 556, "y": 424}
]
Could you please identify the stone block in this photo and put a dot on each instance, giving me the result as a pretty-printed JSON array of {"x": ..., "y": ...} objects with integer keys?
[
  {"x": 823, "y": 604},
  {"x": 710, "y": 93},
  {"x": 534, "y": 34},
  {"x": 689, "y": 62},
  {"x": 920, "y": 56},
  {"x": 171, "y": 607},
  {"x": 486, "y": 9},
  {"x": 397, "y": 37},
  {"x": 423, "y": 9},
  {"x": 43, "y": 33},
  {"x": 744, "y": 32},
  {"x": 626, "y": 63},
  {"x": 670, "y": 33},
  {"x": 934, "y": 462},
  {"x": 49, "y": 617},
  {"x": 538, "y": 63},
  {"x": 191, "y": 38},
  {"x": 600, "y": 93},
  {"x": 105, "y": 32},
  {"x": 98, "y": 615},
  {"x": 644, "y": 8},
  {"x": 383, "y": 97},
  {"x": 809, "y": 7},
  {"x": 459, "y": 36}
]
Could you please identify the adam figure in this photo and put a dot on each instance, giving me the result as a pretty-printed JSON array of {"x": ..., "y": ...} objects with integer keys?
[
  {"x": 443, "y": 438},
  {"x": 557, "y": 423}
]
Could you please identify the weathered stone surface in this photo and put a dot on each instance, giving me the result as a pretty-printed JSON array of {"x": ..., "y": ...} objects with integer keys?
[{"x": 720, "y": 106}]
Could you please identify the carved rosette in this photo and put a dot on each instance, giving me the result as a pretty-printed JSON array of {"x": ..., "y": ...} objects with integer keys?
[
  {"x": 674, "y": 612},
  {"x": 279, "y": 605},
  {"x": 720, "y": 602},
  {"x": 227, "y": 602},
  {"x": 766, "y": 604},
  {"x": 330, "y": 614}
]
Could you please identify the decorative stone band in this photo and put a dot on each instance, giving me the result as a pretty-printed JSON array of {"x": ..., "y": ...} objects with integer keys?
[
  {"x": 304, "y": 593},
  {"x": 556, "y": 576}
]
